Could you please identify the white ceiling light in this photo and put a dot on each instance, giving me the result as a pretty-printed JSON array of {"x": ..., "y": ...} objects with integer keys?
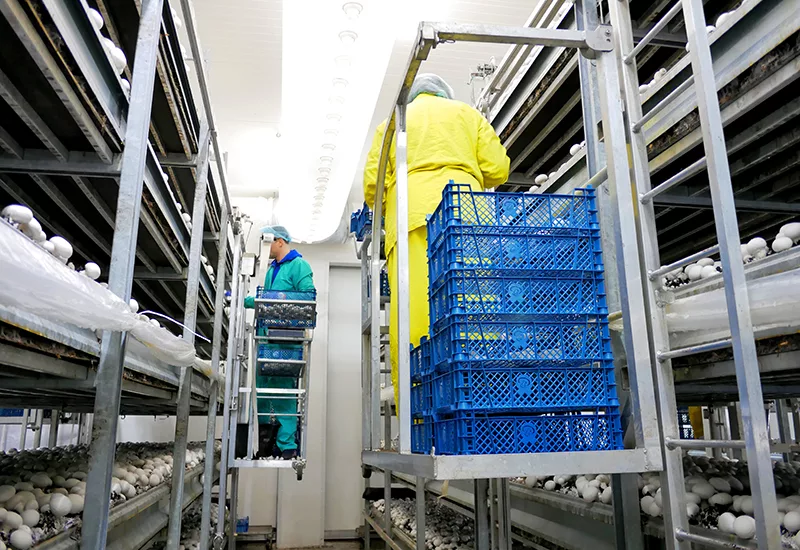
[
  {"x": 322, "y": 181},
  {"x": 324, "y": 171},
  {"x": 330, "y": 133},
  {"x": 325, "y": 161},
  {"x": 328, "y": 147},
  {"x": 339, "y": 84},
  {"x": 352, "y": 9},
  {"x": 336, "y": 100},
  {"x": 348, "y": 38},
  {"x": 333, "y": 118}
]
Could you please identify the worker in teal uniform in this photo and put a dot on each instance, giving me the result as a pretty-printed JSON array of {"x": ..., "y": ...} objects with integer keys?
[{"x": 288, "y": 271}]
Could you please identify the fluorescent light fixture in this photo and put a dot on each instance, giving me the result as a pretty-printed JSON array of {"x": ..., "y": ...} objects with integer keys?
[
  {"x": 333, "y": 118},
  {"x": 324, "y": 171},
  {"x": 339, "y": 84},
  {"x": 330, "y": 133},
  {"x": 352, "y": 9},
  {"x": 348, "y": 38},
  {"x": 343, "y": 61},
  {"x": 325, "y": 161},
  {"x": 336, "y": 100},
  {"x": 328, "y": 147},
  {"x": 322, "y": 181}
]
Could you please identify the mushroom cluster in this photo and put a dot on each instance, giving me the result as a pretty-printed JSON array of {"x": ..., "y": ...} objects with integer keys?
[
  {"x": 756, "y": 248},
  {"x": 589, "y": 487},
  {"x": 445, "y": 529},
  {"x": 42, "y": 491},
  {"x": 21, "y": 218}
]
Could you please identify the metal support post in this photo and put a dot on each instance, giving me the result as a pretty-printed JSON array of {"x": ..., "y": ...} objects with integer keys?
[
  {"x": 782, "y": 411},
  {"x": 38, "y": 420},
  {"x": 236, "y": 310},
  {"x": 735, "y": 423},
  {"x": 234, "y": 510},
  {"x": 52, "y": 439},
  {"x": 503, "y": 496},
  {"x": 736, "y": 293},
  {"x": 482, "y": 527},
  {"x": 627, "y": 520},
  {"x": 190, "y": 322},
  {"x": 387, "y": 500},
  {"x": 23, "y": 429},
  {"x": 586, "y": 19},
  {"x": 795, "y": 420},
  {"x": 213, "y": 392},
  {"x": 108, "y": 382},
  {"x": 716, "y": 432},
  {"x": 402, "y": 300},
  {"x": 420, "y": 513}
]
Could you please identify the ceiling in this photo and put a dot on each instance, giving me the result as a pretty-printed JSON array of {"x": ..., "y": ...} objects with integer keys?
[{"x": 270, "y": 64}]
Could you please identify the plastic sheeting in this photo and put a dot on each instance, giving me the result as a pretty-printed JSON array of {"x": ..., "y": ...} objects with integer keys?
[
  {"x": 35, "y": 281},
  {"x": 774, "y": 300}
]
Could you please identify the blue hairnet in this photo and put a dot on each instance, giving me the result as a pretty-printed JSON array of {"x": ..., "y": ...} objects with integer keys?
[
  {"x": 429, "y": 83},
  {"x": 279, "y": 231}
]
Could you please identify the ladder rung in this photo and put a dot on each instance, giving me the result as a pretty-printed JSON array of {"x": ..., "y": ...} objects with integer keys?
[
  {"x": 658, "y": 107},
  {"x": 692, "y": 350},
  {"x": 657, "y": 28},
  {"x": 664, "y": 269},
  {"x": 702, "y": 444},
  {"x": 708, "y": 540},
  {"x": 694, "y": 168}
]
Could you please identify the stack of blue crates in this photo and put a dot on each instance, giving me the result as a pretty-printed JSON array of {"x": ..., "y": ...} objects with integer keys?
[
  {"x": 519, "y": 353},
  {"x": 361, "y": 222}
]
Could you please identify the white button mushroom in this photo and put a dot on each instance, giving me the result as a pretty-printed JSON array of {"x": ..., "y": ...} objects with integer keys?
[
  {"x": 692, "y": 509},
  {"x": 575, "y": 149},
  {"x": 791, "y": 230},
  {"x": 694, "y": 272},
  {"x": 30, "y": 518},
  {"x": 17, "y": 213},
  {"x": 643, "y": 88},
  {"x": 21, "y": 539},
  {"x": 721, "y": 499},
  {"x": 708, "y": 271},
  {"x": 725, "y": 522},
  {"x": 76, "y": 504},
  {"x": 781, "y": 243},
  {"x": 62, "y": 247},
  {"x": 792, "y": 521},
  {"x": 744, "y": 527},
  {"x": 60, "y": 505},
  {"x": 91, "y": 270},
  {"x": 6, "y": 492},
  {"x": 186, "y": 217},
  {"x": 756, "y": 244}
]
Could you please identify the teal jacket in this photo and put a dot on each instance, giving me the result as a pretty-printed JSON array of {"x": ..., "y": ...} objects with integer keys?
[{"x": 291, "y": 273}]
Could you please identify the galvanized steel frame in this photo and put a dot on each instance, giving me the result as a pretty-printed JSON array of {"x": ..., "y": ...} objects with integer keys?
[
  {"x": 647, "y": 456},
  {"x": 742, "y": 340}
]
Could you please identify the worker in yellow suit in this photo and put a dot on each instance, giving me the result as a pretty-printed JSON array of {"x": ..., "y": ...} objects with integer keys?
[{"x": 447, "y": 140}]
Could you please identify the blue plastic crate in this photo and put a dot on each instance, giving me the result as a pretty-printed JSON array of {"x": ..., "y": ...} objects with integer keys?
[
  {"x": 421, "y": 360},
  {"x": 243, "y": 524},
  {"x": 536, "y": 343},
  {"x": 505, "y": 298},
  {"x": 422, "y": 435},
  {"x": 469, "y": 387},
  {"x": 482, "y": 434},
  {"x": 498, "y": 252},
  {"x": 277, "y": 353},
  {"x": 280, "y": 314},
  {"x": 422, "y": 397},
  {"x": 515, "y": 212},
  {"x": 361, "y": 222}
]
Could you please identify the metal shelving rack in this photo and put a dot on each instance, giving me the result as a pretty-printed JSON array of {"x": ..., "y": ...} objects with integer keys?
[
  {"x": 76, "y": 148},
  {"x": 595, "y": 43}
]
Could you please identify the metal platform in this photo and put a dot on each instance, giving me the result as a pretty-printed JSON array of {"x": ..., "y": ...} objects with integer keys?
[{"x": 504, "y": 466}]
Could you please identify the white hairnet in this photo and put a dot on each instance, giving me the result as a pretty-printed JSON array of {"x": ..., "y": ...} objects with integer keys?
[{"x": 429, "y": 83}]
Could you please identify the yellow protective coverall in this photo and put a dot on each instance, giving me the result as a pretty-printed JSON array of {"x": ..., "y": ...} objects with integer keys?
[{"x": 447, "y": 140}]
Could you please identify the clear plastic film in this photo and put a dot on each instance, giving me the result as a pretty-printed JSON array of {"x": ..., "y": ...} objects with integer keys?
[
  {"x": 774, "y": 300},
  {"x": 36, "y": 282}
]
